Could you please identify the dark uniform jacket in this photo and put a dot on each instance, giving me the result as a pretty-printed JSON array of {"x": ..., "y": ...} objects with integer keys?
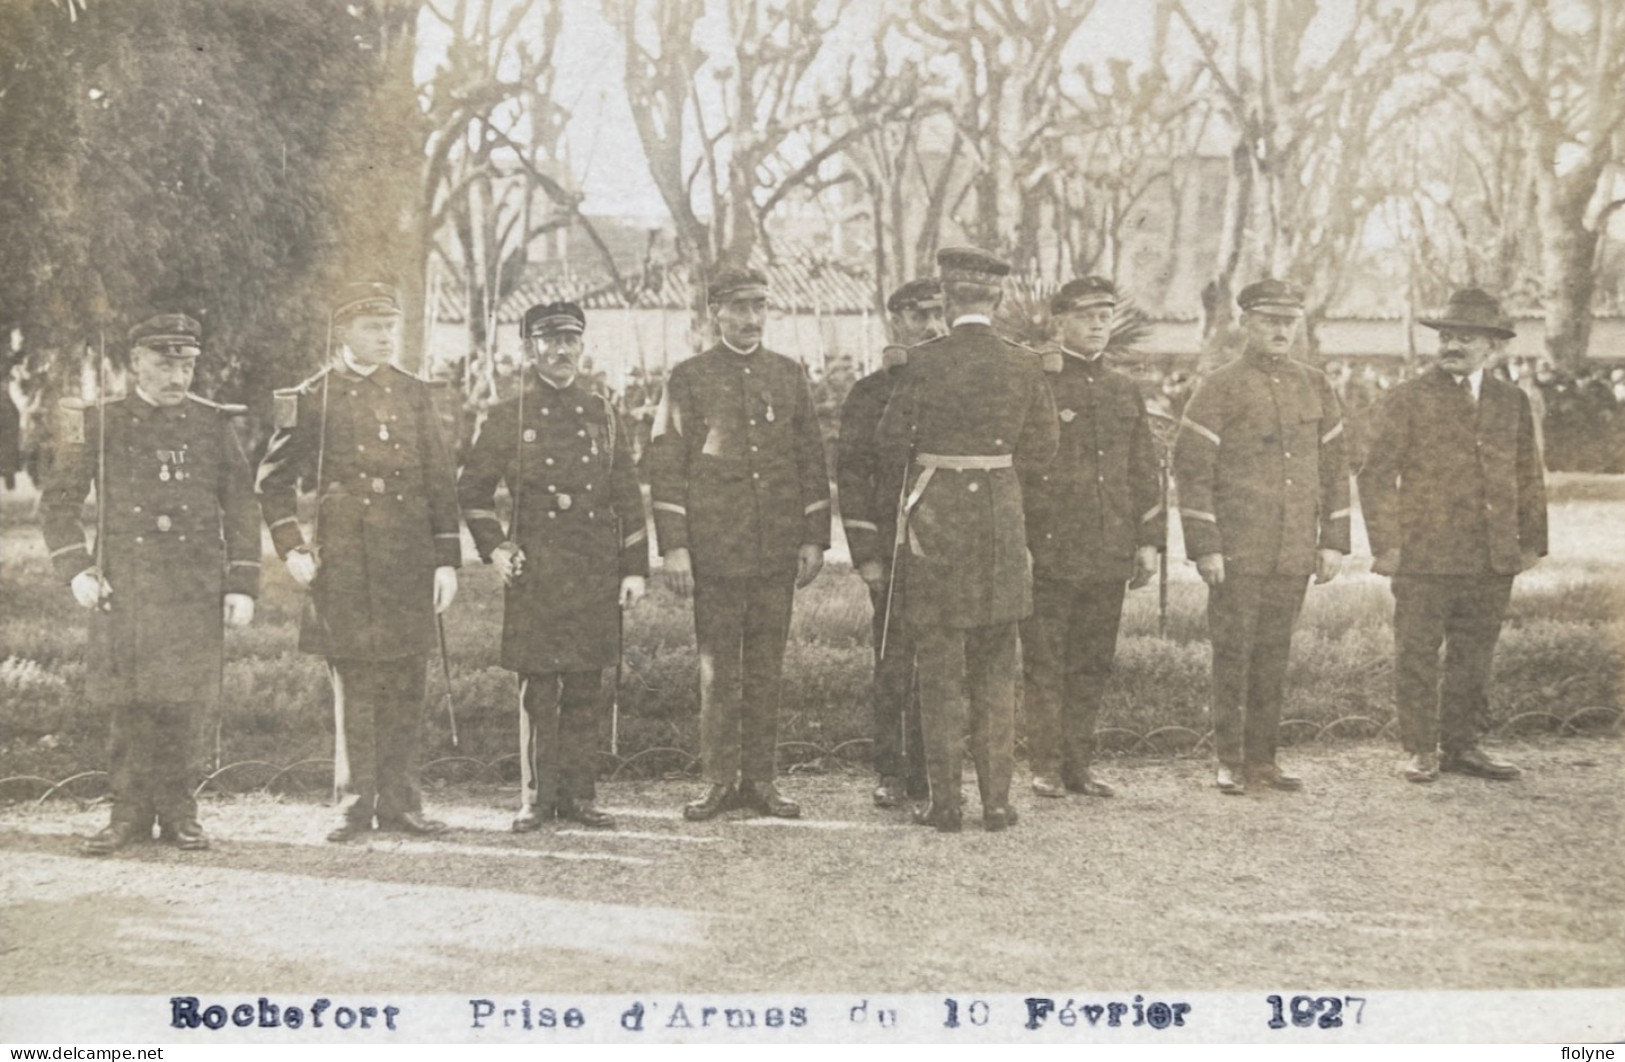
[
  {"x": 868, "y": 491},
  {"x": 1100, "y": 498},
  {"x": 1457, "y": 489},
  {"x": 736, "y": 464},
  {"x": 579, "y": 521},
  {"x": 968, "y": 394},
  {"x": 387, "y": 509},
  {"x": 1261, "y": 467},
  {"x": 182, "y": 532}
]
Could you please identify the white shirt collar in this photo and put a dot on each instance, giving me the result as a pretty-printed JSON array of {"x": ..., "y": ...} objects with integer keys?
[
  {"x": 971, "y": 318},
  {"x": 1091, "y": 359},
  {"x": 355, "y": 367},
  {"x": 1475, "y": 381},
  {"x": 555, "y": 386},
  {"x": 754, "y": 348}
]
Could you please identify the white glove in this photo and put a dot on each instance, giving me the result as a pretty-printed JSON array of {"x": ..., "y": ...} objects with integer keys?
[
  {"x": 239, "y": 610},
  {"x": 1210, "y": 566},
  {"x": 89, "y": 588},
  {"x": 632, "y": 589},
  {"x": 680, "y": 569},
  {"x": 809, "y": 562},
  {"x": 445, "y": 588},
  {"x": 510, "y": 562},
  {"x": 301, "y": 565}
]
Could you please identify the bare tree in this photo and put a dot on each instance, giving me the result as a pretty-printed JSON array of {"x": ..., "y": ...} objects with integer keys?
[{"x": 1560, "y": 69}]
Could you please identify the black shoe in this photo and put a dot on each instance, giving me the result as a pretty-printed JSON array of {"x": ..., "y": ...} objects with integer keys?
[
  {"x": 717, "y": 799},
  {"x": 114, "y": 836},
  {"x": 1271, "y": 775},
  {"x": 996, "y": 819},
  {"x": 582, "y": 811},
  {"x": 1082, "y": 780},
  {"x": 890, "y": 792},
  {"x": 531, "y": 817},
  {"x": 946, "y": 820},
  {"x": 1476, "y": 761},
  {"x": 348, "y": 830},
  {"x": 189, "y": 837},
  {"x": 765, "y": 799},
  {"x": 411, "y": 822}
]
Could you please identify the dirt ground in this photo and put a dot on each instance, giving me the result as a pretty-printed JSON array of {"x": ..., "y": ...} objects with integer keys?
[{"x": 1362, "y": 881}]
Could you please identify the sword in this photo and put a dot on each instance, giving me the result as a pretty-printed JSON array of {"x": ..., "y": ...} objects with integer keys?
[
  {"x": 445, "y": 671},
  {"x": 897, "y": 543},
  {"x": 104, "y": 598}
]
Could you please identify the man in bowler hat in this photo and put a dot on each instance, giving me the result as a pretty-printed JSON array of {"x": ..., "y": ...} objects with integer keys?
[
  {"x": 574, "y": 554},
  {"x": 1455, "y": 504},
  {"x": 181, "y": 558},
  {"x": 382, "y": 563}
]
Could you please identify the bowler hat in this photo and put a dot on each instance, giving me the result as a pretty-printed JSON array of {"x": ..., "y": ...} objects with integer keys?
[{"x": 1473, "y": 310}]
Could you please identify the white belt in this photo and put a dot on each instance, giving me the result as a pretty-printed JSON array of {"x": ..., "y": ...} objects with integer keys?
[{"x": 964, "y": 462}]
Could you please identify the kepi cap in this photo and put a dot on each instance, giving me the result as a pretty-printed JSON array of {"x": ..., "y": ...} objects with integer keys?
[
  {"x": 1278, "y": 298},
  {"x": 174, "y": 335},
  {"x": 1473, "y": 310},
  {"x": 1084, "y": 293},
  {"x": 730, "y": 283},
  {"x": 971, "y": 264},
  {"x": 546, "y": 318},
  {"x": 366, "y": 299},
  {"x": 922, "y": 294}
]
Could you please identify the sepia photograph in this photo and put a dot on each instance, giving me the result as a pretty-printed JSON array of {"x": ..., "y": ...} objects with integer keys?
[{"x": 812, "y": 521}]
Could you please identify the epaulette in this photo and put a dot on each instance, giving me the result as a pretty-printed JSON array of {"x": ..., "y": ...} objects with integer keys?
[
  {"x": 229, "y": 408},
  {"x": 893, "y": 355}
]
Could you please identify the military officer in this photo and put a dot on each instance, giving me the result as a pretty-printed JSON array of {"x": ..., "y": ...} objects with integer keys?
[
  {"x": 1094, "y": 518},
  {"x": 1264, "y": 502},
  {"x": 868, "y": 495},
  {"x": 969, "y": 406},
  {"x": 741, "y": 508},
  {"x": 1455, "y": 503},
  {"x": 383, "y": 556},
  {"x": 181, "y": 556},
  {"x": 575, "y": 553}
]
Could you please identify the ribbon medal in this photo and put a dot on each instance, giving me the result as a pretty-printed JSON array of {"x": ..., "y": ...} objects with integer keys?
[{"x": 767, "y": 396}]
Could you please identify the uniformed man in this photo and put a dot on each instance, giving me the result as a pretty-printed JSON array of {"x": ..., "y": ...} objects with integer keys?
[
  {"x": 741, "y": 510},
  {"x": 1455, "y": 503},
  {"x": 181, "y": 557},
  {"x": 969, "y": 406},
  {"x": 383, "y": 558},
  {"x": 1094, "y": 518},
  {"x": 1264, "y": 502},
  {"x": 868, "y": 494},
  {"x": 575, "y": 553}
]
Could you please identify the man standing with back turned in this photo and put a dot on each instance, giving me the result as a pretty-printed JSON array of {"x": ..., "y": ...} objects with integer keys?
[
  {"x": 364, "y": 435},
  {"x": 1264, "y": 502},
  {"x": 1455, "y": 503},
  {"x": 868, "y": 493},
  {"x": 741, "y": 509},
  {"x": 969, "y": 407}
]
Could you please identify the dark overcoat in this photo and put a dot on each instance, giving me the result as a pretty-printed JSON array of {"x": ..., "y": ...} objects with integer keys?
[
  {"x": 1458, "y": 489},
  {"x": 1261, "y": 467},
  {"x": 1101, "y": 497},
  {"x": 182, "y": 532},
  {"x": 968, "y": 394},
  {"x": 867, "y": 489},
  {"x": 736, "y": 464},
  {"x": 567, "y": 462},
  {"x": 387, "y": 509}
]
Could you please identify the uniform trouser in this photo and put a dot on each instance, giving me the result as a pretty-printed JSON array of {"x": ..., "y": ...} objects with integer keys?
[
  {"x": 899, "y": 748},
  {"x": 1463, "y": 613},
  {"x": 741, "y": 625},
  {"x": 152, "y": 762},
  {"x": 561, "y": 729},
  {"x": 1067, "y": 647},
  {"x": 972, "y": 668},
  {"x": 378, "y": 712},
  {"x": 1249, "y": 619}
]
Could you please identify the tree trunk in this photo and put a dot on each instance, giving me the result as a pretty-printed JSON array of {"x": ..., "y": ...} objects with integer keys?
[{"x": 1568, "y": 254}]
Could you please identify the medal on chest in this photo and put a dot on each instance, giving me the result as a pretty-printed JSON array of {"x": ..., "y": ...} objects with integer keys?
[
  {"x": 767, "y": 398},
  {"x": 383, "y": 424},
  {"x": 171, "y": 464},
  {"x": 1068, "y": 416}
]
